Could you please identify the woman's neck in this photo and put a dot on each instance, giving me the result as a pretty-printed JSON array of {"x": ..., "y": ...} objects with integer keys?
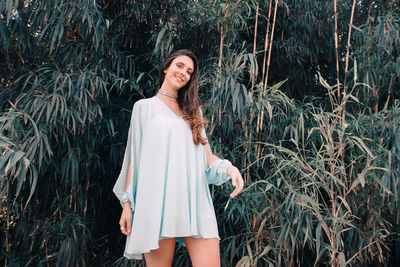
[
  {"x": 167, "y": 99},
  {"x": 169, "y": 90}
]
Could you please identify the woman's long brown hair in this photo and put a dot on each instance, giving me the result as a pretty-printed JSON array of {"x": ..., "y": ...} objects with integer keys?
[{"x": 188, "y": 96}]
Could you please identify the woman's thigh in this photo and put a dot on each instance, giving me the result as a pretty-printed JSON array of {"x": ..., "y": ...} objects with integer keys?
[
  {"x": 163, "y": 256},
  {"x": 203, "y": 251}
]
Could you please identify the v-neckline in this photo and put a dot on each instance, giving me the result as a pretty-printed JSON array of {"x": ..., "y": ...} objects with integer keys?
[{"x": 169, "y": 109}]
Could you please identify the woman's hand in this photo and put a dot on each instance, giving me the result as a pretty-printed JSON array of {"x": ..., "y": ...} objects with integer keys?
[
  {"x": 125, "y": 221},
  {"x": 237, "y": 180}
]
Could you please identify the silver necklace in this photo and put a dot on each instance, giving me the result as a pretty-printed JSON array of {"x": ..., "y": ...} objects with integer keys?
[{"x": 167, "y": 94}]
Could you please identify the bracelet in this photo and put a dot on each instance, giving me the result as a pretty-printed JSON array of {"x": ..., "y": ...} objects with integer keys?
[{"x": 130, "y": 207}]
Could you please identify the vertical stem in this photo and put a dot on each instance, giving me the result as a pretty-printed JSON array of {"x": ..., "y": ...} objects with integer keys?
[
  {"x": 348, "y": 45},
  {"x": 265, "y": 66},
  {"x": 264, "y": 60},
  {"x": 7, "y": 224},
  {"x": 86, "y": 197},
  {"x": 347, "y": 61},
  {"x": 270, "y": 44},
  {"x": 255, "y": 31},
  {"x": 221, "y": 45},
  {"x": 389, "y": 93},
  {"x": 224, "y": 29},
  {"x": 284, "y": 23},
  {"x": 254, "y": 46},
  {"x": 266, "y": 46},
  {"x": 246, "y": 152},
  {"x": 376, "y": 94},
  {"x": 336, "y": 45},
  {"x": 248, "y": 132},
  {"x": 269, "y": 59},
  {"x": 332, "y": 196}
]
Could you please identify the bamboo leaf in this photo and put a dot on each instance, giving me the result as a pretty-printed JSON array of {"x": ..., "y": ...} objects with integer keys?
[
  {"x": 361, "y": 179},
  {"x": 342, "y": 259},
  {"x": 365, "y": 148},
  {"x": 22, "y": 176},
  {"x": 243, "y": 262},
  {"x": 345, "y": 203},
  {"x": 318, "y": 240},
  {"x": 265, "y": 250}
]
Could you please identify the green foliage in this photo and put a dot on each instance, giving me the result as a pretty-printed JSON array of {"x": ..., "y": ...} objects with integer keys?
[
  {"x": 322, "y": 171},
  {"x": 328, "y": 195},
  {"x": 378, "y": 59}
]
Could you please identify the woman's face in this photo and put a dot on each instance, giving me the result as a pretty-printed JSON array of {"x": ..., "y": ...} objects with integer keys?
[{"x": 178, "y": 73}]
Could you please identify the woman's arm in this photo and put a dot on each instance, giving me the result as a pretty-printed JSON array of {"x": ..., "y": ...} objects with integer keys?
[
  {"x": 128, "y": 179},
  {"x": 126, "y": 216},
  {"x": 125, "y": 186},
  {"x": 232, "y": 171},
  {"x": 210, "y": 156}
]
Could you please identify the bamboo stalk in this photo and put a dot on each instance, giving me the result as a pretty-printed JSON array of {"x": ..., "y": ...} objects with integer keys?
[
  {"x": 345, "y": 74},
  {"x": 389, "y": 93},
  {"x": 264, "y": 61},
  {"x": 284, "y": 23},
  {"x": 255, "y": 32},
  {"x": 334, "y": 254},
  {"x": 269, "y": 60},
  {"x": 7, "y": 244},
  {"x": 86, "y": 198},
  {"x": 348, "y": 45},
  {"x": 221, "y": 45},
  {"x": 336, "y": 45},
  {"x": 246, "y": 153},
  {"x": 248, "y": 133},
  {"x": 376, "y": 94},
  {"x": 218, "y": 80},
  {"x": 270, "y": 45},
  {"x": 267, "y": 45}
]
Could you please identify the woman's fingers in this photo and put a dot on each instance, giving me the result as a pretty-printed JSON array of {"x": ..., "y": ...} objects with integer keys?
[
  {"x": 235, "y": 193},
  {"x": 237, "y": 181},
  {"x": 128, "y": 228},
  {"x": 125, "y": 224}
]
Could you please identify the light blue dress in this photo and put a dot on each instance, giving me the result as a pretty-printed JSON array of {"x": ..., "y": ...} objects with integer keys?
[{"x": 168, "y": 191}]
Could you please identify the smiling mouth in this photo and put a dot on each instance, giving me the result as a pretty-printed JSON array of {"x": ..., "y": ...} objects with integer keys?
[{"x": 179, "y": 79}]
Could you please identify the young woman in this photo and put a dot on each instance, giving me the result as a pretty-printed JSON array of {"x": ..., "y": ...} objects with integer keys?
[{"x": 167, "y": 166}]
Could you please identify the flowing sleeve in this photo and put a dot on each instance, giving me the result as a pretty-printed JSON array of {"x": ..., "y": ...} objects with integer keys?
[
  {"x": 131, "y": 158},
  {"x": 216, "y": 172}
]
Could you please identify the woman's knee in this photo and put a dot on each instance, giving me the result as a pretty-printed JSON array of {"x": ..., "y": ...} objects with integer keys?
[
  {"x": 162, "y": 256},
  {"x": 203, "y": 251}
]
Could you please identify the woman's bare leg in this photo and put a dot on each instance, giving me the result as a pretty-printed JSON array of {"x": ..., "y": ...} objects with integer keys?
[
  {"x": 163, "y": 256},
  {"x": 203, "y": 251}
]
